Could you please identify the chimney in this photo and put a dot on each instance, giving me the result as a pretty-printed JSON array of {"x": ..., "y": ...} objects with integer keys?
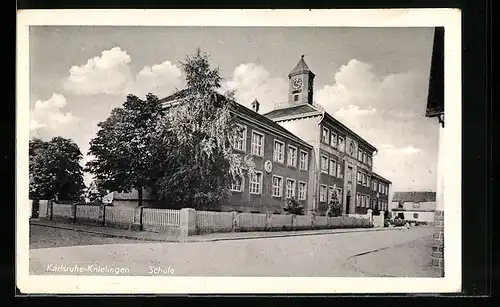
[{"x": 255, "y": 106}]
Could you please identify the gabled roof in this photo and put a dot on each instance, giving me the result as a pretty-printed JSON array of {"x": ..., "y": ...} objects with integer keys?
[
  {"x": 301, "y": 67},
  {"x": 247, "y": 114},
  {"x": 292, "y": 110},
  {"x": 414, "y": 196}
]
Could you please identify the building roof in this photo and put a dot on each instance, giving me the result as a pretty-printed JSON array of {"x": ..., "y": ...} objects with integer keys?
[
  {"x": 412, "y": 210},
  {"x": 414, "y": 196},
  {"x": 435, "y": 99},
  {"x": 292, "y": 110},
  {"x": 301, "y": 67},
  {"x": 305, "y": 110},
  {"x": 381, "y": 178},
  {"x": 245, "y": 113}
]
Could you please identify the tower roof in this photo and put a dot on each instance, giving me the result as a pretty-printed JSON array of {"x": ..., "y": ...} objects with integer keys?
[{"x": 301, "y": 67}]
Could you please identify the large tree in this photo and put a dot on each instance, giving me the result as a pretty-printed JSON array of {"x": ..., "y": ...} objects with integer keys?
[
  {"x": 196, "y": 141},
  {"x": 55, "y": 172},
  {"x": 124, "y": 146}
]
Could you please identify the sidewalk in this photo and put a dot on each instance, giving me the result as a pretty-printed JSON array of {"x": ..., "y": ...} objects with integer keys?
[
  {"x": 162, "y": 237},
  {"x": 410, "y": 259}
]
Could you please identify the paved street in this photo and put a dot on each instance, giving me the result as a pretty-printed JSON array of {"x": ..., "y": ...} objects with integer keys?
[{"x": 401, "y": 253}]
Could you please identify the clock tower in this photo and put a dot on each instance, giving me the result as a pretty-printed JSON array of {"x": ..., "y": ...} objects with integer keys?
[{"x": 300, "y": 84}]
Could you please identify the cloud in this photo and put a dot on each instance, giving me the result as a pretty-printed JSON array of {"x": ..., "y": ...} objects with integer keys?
[
  {"x": 46, "y": 116},
  {"x": 387, "y": 111},
  {"x": 400, "y": 95},
  {"x": 108, "y": 74},
  {"x": 252, "y": 81},
  {"x": 160, "y": 79},
  {"x": 112, "y": 74}
]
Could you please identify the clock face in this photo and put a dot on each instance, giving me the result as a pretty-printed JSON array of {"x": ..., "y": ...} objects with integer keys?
[{"x": 297, "y": 83}]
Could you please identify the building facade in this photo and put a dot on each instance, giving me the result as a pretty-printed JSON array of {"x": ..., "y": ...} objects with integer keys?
[
  {"x": 414, "y": 206},
  {"x": 282, "y": 164},
  {"x": 342, "y": 160}
]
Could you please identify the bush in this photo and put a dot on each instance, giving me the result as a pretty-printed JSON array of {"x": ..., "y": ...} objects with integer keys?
[
  {"x": 292, "y": 206},
  {"x": 334, "y": 208}
]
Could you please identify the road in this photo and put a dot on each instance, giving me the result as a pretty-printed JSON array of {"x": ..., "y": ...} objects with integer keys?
[{"x": 401, "y": 253}]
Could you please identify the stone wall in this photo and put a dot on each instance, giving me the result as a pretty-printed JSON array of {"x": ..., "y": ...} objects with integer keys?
[{"x": 437, "y": 257}]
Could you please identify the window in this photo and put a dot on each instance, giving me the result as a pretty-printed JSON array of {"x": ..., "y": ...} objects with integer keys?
[
  {"x": 303, "y": 160},
  {"x": 358, "y": 200},
  {"x": 326, "y": 135},
  {"x": 415, "y": 215},
  {"x": 255, "y": 183},
  {"x": 341, "y": 144},
  {"x": 333, "y": 167},
  {"x": 339, "y": 195},
  {"x": 302, "y": 190},
  {"x": 369, "y": 161},
  {"x": 368, "y": 201},
  {"x": 339, "y": 171},
  {"x": 322, "y": 193},
  {"x": 333, "y": 139},
  {"x": 279, "y": 151},
  {"x": 331, "y": 190},
  {"x": 292, "y": 155},
  {"x": 360, "y": 179},
  {"x": 290, "y": 188},
  {"x": 380, "y": 205},
  {"x": 360, "y": 155},
  {"x": 380, "y": 188},
  {"x": 364, "y": 179},
  {"x": 237, "y": 184},
  {"x": 277, "y": 186},
  {"x": 257, "y": 144},
  {"x": 368, "y": 181},
  {"x": 375, "y": 185},
  {"x": 239, "y": 140},
  {"x": 324, "y": 164}
]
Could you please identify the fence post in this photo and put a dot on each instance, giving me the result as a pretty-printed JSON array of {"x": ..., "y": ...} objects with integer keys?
[
  {"x": 140, "y": 218},
  {"x": 235, "y": 224},
  {"x": 51, "y": 204},
  {"x": 104, "y": 215},
  {"x": 188, "y": 222},
  {"x": 73, "y": 208},
  {"x": 370, "y": 217}
]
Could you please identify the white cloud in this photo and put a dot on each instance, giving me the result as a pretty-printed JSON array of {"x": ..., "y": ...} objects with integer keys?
[
  {"x": 111, "y": 74},
  {"x": 252, "y": 81},
  {"x": 399, "y": 94},
  {"x": 160, "y": 79},
  {"x": 107, "y": 74},
  {"x": 47, "y": 115},
  {"x": 387, "y": 111}
]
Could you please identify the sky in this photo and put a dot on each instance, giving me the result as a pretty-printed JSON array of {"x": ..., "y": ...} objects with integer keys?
[{"x": 374, "y": 80}]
